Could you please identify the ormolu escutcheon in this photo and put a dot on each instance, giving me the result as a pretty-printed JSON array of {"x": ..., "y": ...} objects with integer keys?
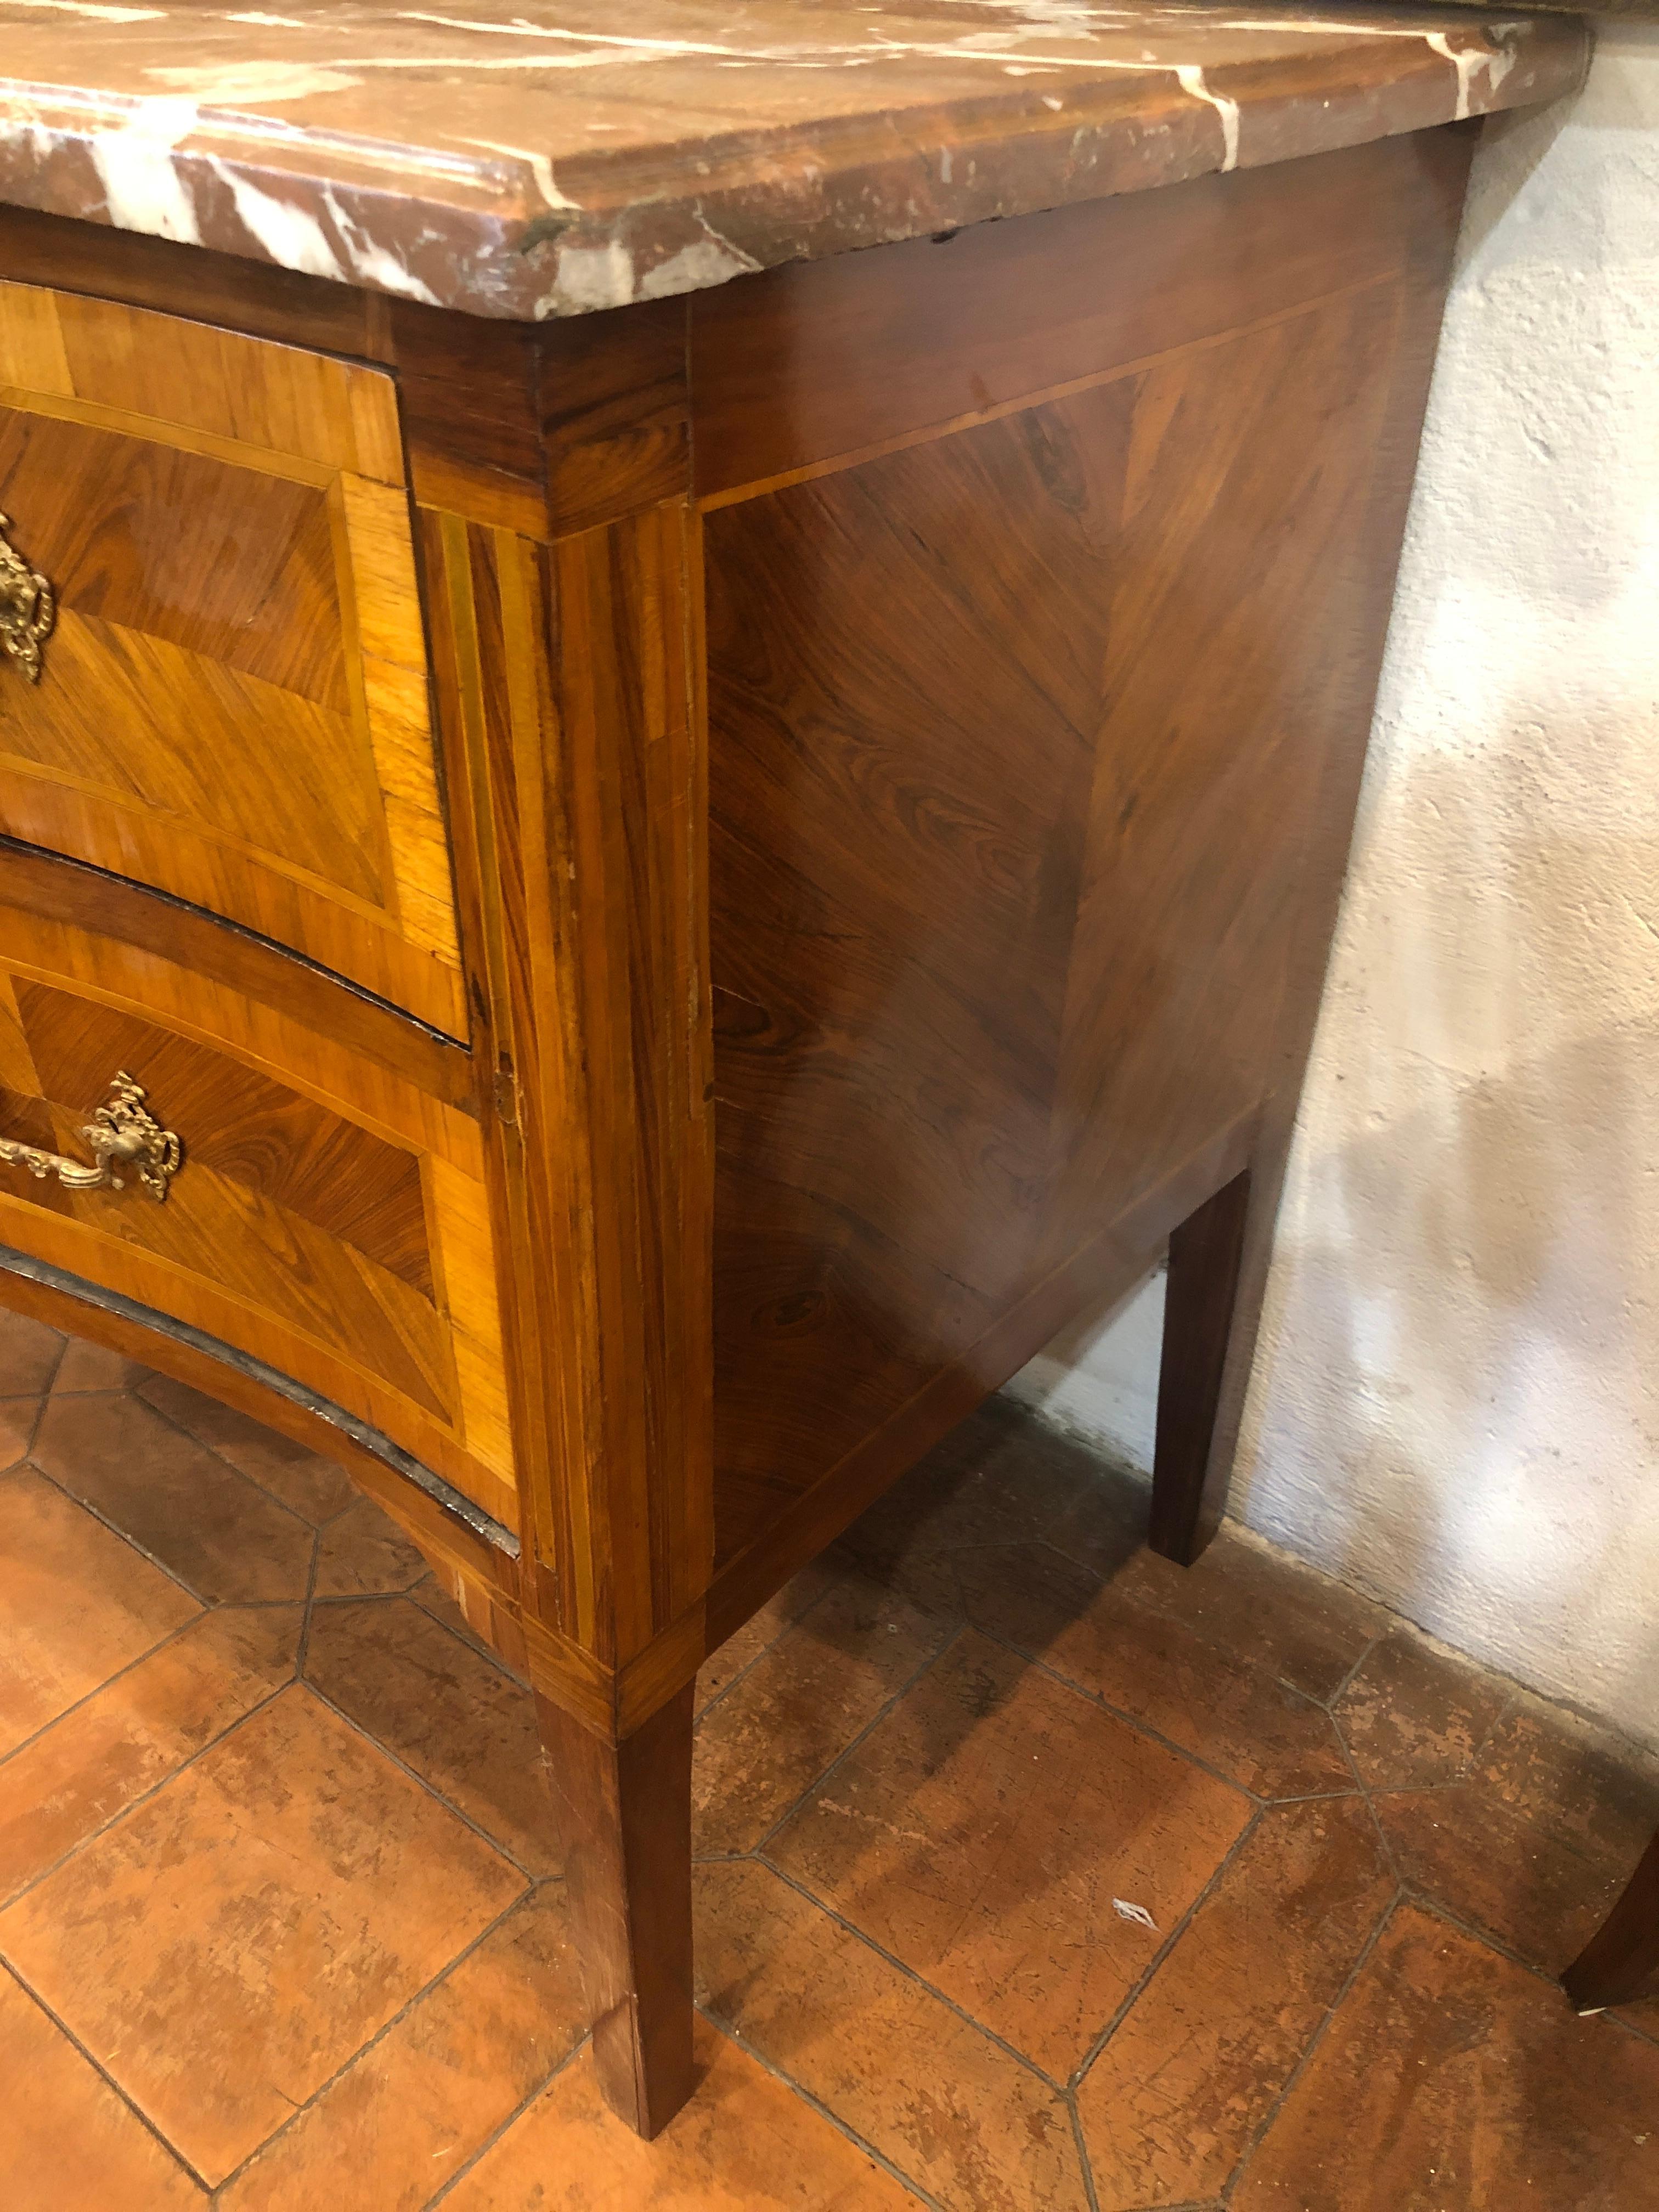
[
  {"x": 122, "y": 1133},
  {"x": 28, "y": 607}
]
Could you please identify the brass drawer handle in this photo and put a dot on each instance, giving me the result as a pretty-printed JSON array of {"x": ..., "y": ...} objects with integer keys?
[
  {"x": 122, "y": 1134},
  {"x": 28, "y": 607}
]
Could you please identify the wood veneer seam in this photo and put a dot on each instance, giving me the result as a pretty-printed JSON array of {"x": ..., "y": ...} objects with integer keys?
[
  {"x": 434, "y": 1411},
  {"x": 177, "y": 437},
  {"x": 245, "y": 931},
  {"x": 379, "y": 1446},
  {"x": 278, "y": 1071},
  {"x": 928, "y": 434},
  {"x": 359, "y": 908}
]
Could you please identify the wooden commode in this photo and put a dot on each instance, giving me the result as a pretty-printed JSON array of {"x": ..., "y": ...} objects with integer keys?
[{"x": 636, "y": 847}]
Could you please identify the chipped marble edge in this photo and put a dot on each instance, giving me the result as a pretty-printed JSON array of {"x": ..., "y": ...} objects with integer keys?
[{"x": 499, "y": 237}]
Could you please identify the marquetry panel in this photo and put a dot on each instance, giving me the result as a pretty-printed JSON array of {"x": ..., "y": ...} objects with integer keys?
[
  {"x": 330, "y": 1218},
  {"x": 232, "y": 706},
  {"x": 1014, "y": 739}
]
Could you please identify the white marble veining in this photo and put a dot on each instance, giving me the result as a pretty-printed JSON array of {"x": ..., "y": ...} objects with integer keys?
[
  {"x": 549, "y": 160},
  {"x": 1191, "y": 78}
]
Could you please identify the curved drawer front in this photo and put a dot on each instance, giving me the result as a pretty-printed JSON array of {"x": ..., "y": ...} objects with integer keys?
[
  {"x": 328, "y": 1217},
  {"x": 221, "y": 691}
]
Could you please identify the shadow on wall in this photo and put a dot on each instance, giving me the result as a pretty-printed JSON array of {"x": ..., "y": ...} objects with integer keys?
[
  {"x": 1457, "y": 1400},
  {"x": 1456, "y": 1403}
]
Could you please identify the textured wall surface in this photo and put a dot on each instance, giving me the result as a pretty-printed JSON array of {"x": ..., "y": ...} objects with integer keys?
[{"x": 1456, "y": 1403}]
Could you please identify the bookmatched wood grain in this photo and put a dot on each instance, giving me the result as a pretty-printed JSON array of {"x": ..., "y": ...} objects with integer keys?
[
  {"x": 233, "y": 702},
  {"x": 331, "y": 1218},
  {"x": 1013, "y": 739},
  {"x": 1020, "y": 594}
]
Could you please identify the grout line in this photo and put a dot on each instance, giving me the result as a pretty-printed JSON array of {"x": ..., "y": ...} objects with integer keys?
[
  {"x": 108, "y": 1683},
  {"x": 502, "y": 1851},
  {"x": 370, "y": 1596},
  {"x": 1312, "y": 2045},
  {"x": 105, "y": 2076},
  {"x": 512, "y": 2120},
  {"x": 1422, "y": 1788},
  {"x": 1188, "y": 2204},
  {"x": 1365, "y": 1788},
  {"x": 1082, "y": 2159},
  {"x": 1176, "y": 1932},
  {"x": 1438, "y": 1909},
  {"x": 1140, "y": 1727},
  {"x": 809, "y": 2097},
  {"x": 852, "y": 1743},
  {"x": 386, "y": 2028},
  {"x": 164, "y": 1782},
  {"x": 1631, "y": 2026},
  {"x": 190, "y": 1437},
  {"x": 310, "y": 1602},
  {"x": 41, "y": 1404},
  {"x": 1192, "y": 2205},
  {"x": 1318, "y": 1797},
  {"x": 909, "y": 1972},
  {"x": 1337, "y": 1695},
  {"x": 468, "y": 1637},
  {"x": 789, "y": 1626},
  {"x": 125, "y": 1535},
  {"x": 57, "y": 1366},
  {"x": 256, "y": 1605}
]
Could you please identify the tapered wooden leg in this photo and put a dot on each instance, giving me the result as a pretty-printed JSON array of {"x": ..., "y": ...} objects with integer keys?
[
  {"x": 623, "y": 1813},
  {"x": 1202, "y": 1321},
  {"x": 1621, "y": 1960}
]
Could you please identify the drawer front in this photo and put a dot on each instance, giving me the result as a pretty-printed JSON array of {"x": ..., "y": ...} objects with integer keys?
[
  {"x": 231, "y": 701},
  {"x": 328, "y": 1217}
]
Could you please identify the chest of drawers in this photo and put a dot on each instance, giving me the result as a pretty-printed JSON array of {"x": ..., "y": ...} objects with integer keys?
[{"x": 635, "y": 849}]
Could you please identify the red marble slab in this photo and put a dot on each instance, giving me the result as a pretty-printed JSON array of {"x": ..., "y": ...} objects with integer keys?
[{"x": 550, "y": 157}]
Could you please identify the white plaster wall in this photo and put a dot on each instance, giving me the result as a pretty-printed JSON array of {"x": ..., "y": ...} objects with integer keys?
[{"x": 1455, "y": 1404}]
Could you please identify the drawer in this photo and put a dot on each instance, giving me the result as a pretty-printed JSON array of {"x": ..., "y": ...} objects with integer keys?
[
  {"x": 329, "y": 1217},
  {"x": 231, "y": 701}
]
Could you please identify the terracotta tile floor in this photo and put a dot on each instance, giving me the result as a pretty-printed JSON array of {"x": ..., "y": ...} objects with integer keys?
[{"x": 281, "y": 1925}]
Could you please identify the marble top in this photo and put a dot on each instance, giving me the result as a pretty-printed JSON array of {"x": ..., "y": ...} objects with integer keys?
[{"x": 528, "y": 158}]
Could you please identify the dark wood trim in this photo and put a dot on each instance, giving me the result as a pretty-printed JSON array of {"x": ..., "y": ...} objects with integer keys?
[
  {"x": 442, "y": 1521},
  {"x": 1189, "y": 1483},
  {"x": 1620, "y": 1962},
  {"x": 59, "y": 888},
  {"x": 622, "y": 1812}
]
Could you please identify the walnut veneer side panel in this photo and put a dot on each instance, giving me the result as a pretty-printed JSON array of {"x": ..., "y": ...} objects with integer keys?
[
  {"x": 232, "y": 703},
  {"x": 1023, "y": 740}
]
